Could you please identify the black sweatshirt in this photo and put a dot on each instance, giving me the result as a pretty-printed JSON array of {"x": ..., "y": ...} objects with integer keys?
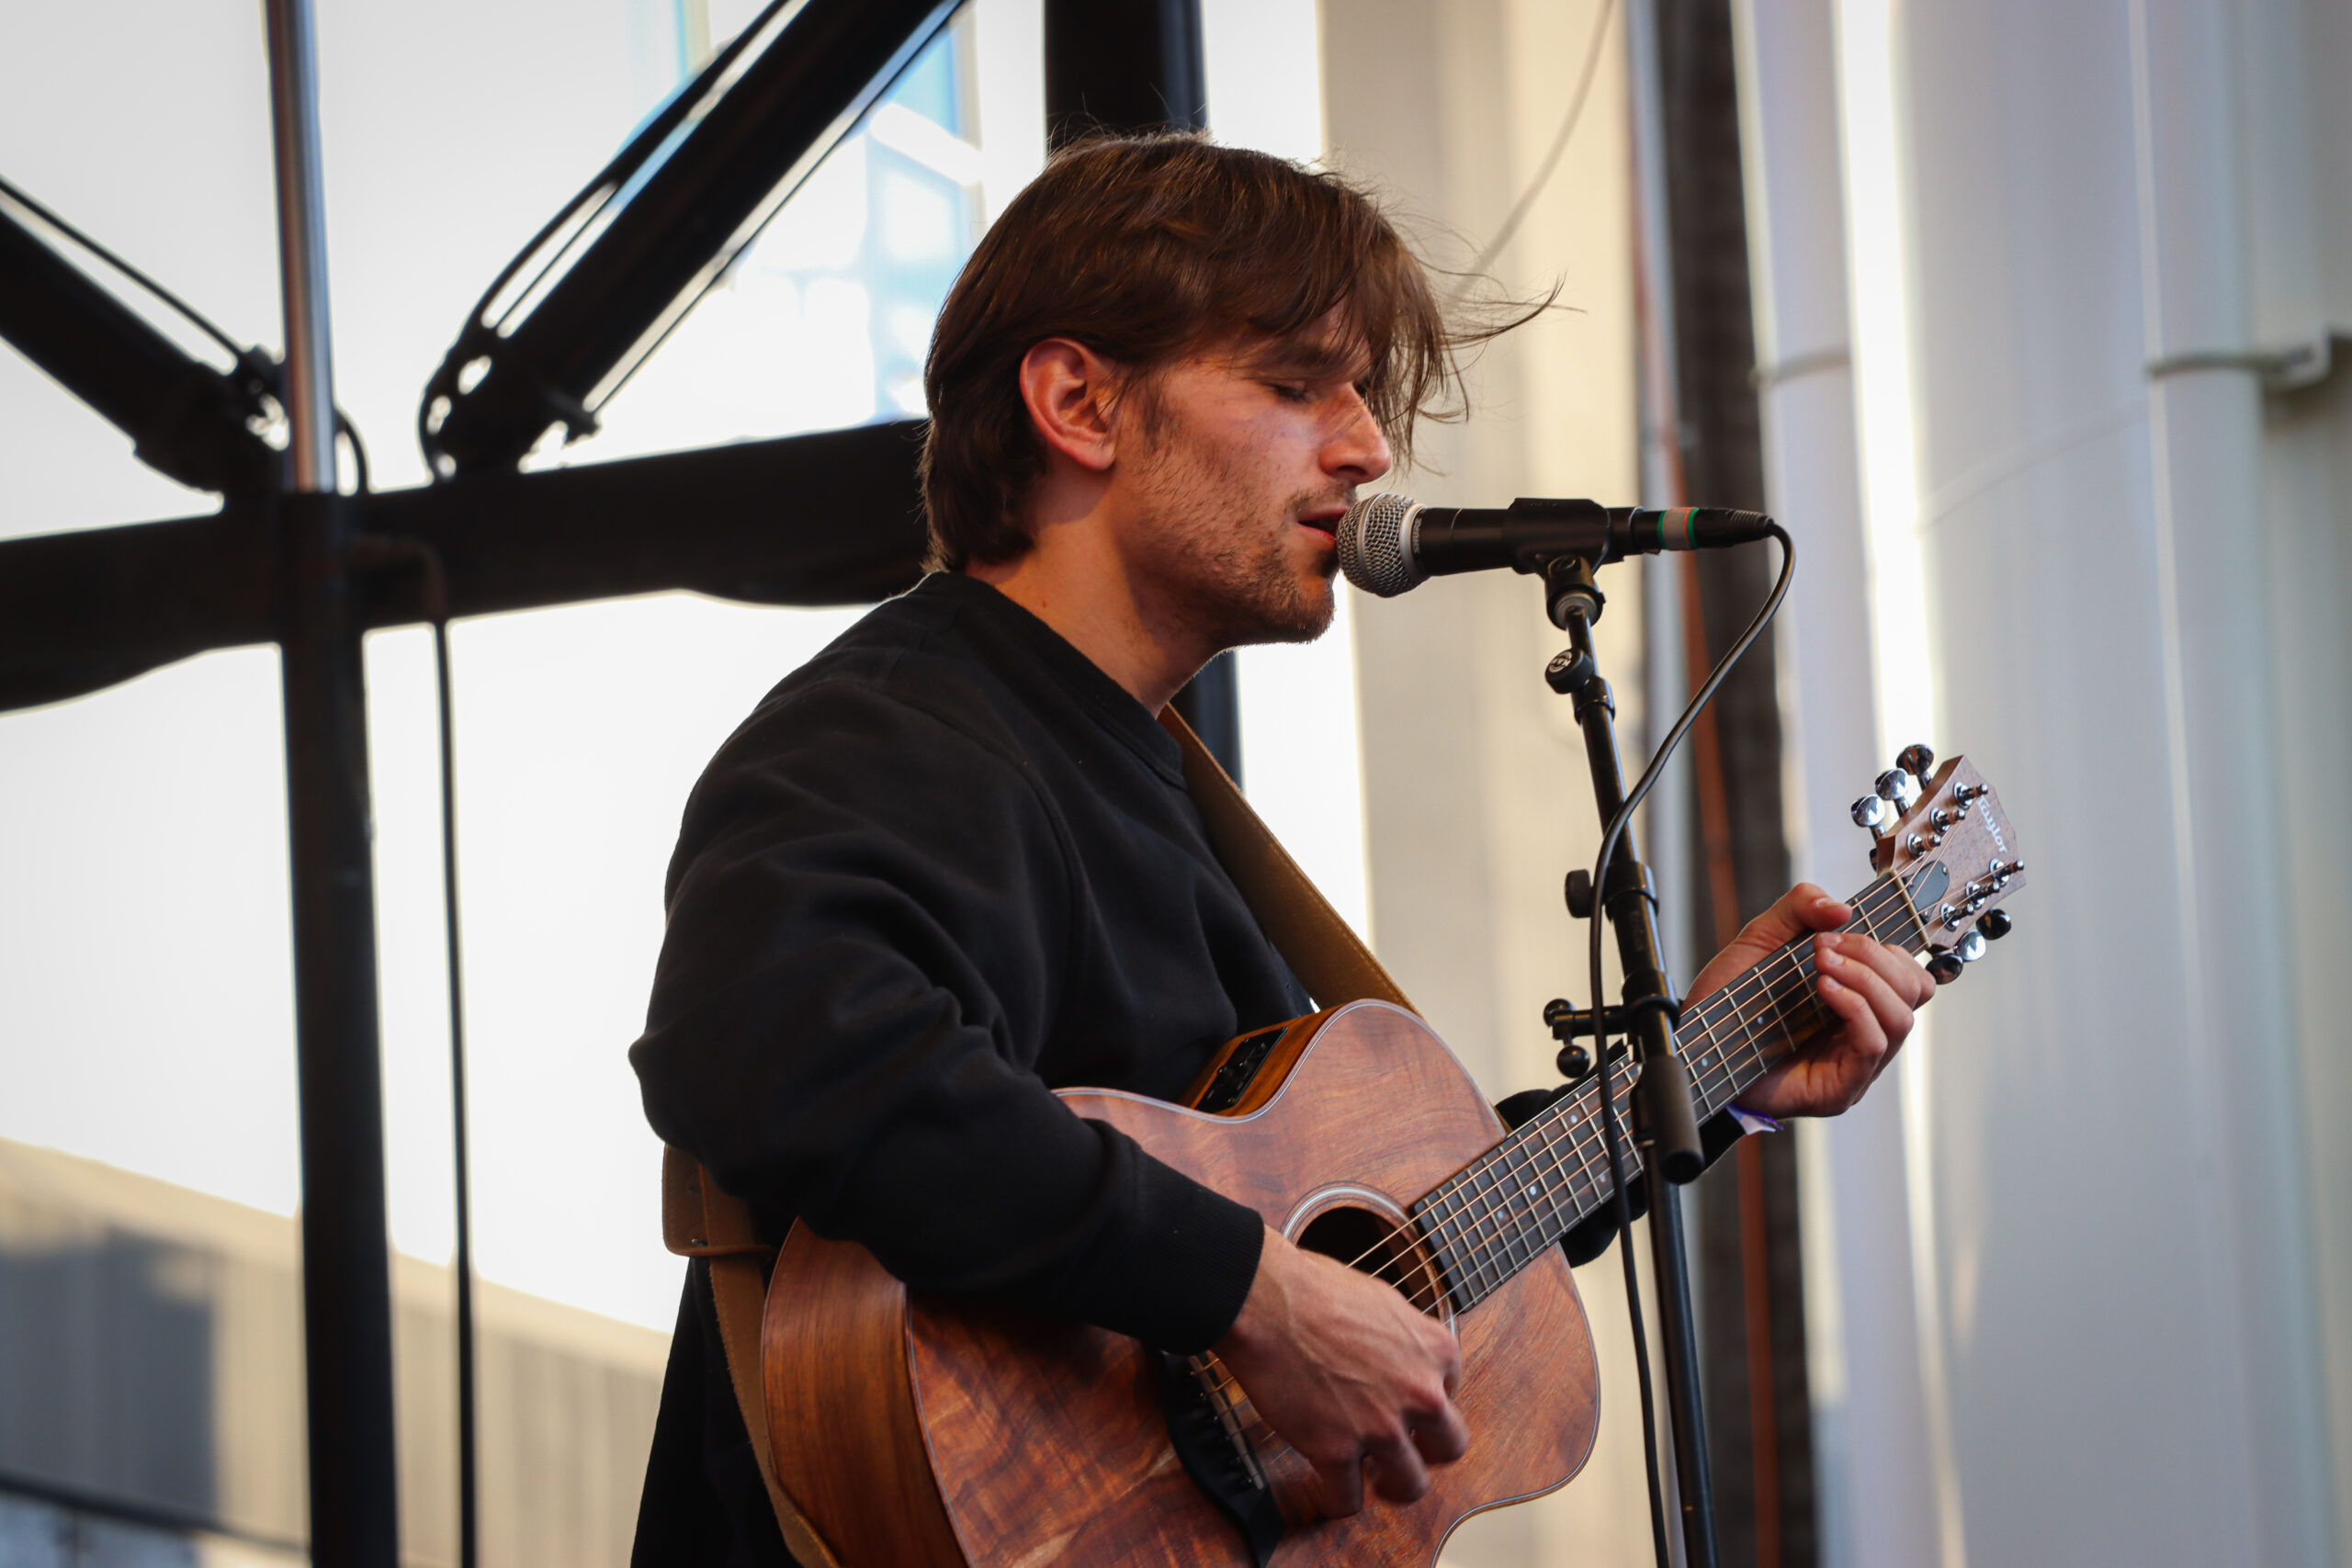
[{"x": 945, "y": 867}]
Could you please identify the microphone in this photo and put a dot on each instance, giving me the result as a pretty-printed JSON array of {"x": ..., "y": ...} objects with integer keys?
[{"x": 1389, "y": 543}]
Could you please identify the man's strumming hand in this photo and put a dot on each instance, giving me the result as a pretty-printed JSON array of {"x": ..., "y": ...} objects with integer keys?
[
  {"x": 1347, "y": 1371},
  {"x": 1870, "y": 990}
]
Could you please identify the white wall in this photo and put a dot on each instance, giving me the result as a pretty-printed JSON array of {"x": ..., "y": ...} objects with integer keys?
[
  {"x": 1875, "y": 1473},
  {"x": 2121, "y": 1192}
]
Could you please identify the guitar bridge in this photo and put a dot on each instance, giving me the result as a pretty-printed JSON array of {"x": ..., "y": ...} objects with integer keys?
[{"x": 1215, "y": 1450}]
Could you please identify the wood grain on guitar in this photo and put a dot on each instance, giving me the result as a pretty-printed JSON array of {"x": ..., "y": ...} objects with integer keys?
[{"x": 919, "y": 1431}]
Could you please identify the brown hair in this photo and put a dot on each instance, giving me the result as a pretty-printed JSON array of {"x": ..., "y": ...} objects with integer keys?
[{"x": 1144, "y": 249}]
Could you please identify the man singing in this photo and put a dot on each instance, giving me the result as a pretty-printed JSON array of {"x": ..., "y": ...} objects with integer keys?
[{"x": 950, "y": 864}]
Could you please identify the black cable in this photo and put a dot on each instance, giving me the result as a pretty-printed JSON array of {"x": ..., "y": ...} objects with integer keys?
[
  {"x": 1609, "y": 1138},
  {"x": 380, "y": 551},
  {"x": 609, "y": 184},
  {"x": 1609, "y": 1133},
  {"x": 467, "y": 1511},
  {"x": 350, "y": 432},
  {"x": 1526, "y": 201},
  {"x": 258, "y": 365},
  {"x": 195, "y": 316},
  {"x": 437, "y": 607}
]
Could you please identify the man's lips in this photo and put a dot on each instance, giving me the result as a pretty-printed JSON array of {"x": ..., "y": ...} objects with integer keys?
[{"x": 1323, "y": 523}]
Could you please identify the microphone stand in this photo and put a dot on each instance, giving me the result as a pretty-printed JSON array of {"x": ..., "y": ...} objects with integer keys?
[{"x": 1665, "y": 1129}]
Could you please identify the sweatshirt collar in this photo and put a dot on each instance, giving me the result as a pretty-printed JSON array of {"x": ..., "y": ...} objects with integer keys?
[{"x": 1099, "y": 697}]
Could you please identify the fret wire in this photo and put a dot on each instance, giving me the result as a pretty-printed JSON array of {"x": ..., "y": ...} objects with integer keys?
[
  {"x": 1485, "y": 1226},
  {"x": 1780, "y": 1007},
  {"x": 1464, "y": 1223},
  {"x": 1482, "y": 1216},
  {"x": 1531, "y": 1190},
  {"x": 1566, "y": 1171},
  {"x": 1458, "y": 1200},
  {"x": 1512, "y": 1220},
  {"x": 1460, "y": 1264},
  {"x": 1577, "y": 1168},
  {"x": 1869, "y": 904},
  {"x": 1783, "y": 1002},
  {"x": 1510, "y": 1154}
]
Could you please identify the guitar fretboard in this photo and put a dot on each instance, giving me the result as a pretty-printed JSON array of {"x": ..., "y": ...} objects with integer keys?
[{"x": 1489, "y": 1219}]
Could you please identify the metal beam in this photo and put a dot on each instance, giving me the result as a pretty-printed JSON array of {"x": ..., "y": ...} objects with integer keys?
[
  {"x": 185, "y": 418},
  {"x": 833, "y": 518}
]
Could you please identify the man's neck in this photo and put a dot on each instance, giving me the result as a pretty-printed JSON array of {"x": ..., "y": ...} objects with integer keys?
[{"x": 1074, "y": 581}]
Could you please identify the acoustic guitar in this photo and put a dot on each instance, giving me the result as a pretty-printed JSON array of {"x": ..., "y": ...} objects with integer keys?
[{"x": 921, "y": 1431}]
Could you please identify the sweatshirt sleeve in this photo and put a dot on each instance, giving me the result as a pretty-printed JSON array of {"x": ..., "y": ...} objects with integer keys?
[{"x": 869, "y": 917}]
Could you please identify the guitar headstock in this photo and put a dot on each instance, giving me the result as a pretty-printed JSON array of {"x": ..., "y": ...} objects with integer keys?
[{"x": 1952, "y": 847}]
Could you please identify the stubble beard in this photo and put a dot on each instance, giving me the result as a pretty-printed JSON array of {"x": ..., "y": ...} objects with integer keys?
[{"x": 1236, "y": 581}]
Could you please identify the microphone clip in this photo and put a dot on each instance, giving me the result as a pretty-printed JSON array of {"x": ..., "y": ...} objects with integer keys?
[{"x": 1569, "y": 590}]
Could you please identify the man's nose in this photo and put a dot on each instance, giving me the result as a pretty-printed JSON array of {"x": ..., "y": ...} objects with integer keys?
[{"x": 1357, "y": 451}]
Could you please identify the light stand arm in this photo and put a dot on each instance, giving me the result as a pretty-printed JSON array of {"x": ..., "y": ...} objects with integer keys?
[{"x": 185, "y": 418}]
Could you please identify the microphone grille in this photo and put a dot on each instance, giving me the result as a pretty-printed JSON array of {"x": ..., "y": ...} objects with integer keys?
[{"x": 1376, "y": 541}]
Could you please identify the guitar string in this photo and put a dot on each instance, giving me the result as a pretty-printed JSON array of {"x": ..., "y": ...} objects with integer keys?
[
  {"x": 1498, "y": 1233},
  {"x": 1790, "y": 963},
  {"x": 1765, "y": 983},
  {"x": 1477, "y": 1220},
  {"x": 1466, "y": 1214}
]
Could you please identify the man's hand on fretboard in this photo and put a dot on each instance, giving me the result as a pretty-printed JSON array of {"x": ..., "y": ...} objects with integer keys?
[{"x": 1867, "y": 990}]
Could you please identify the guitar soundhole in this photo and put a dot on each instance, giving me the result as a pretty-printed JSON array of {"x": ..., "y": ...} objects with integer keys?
[{"x": 1376, "y": 1244}]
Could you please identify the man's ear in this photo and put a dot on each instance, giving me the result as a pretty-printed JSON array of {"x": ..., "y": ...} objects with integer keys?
[{"x": 1071, "y": 393}]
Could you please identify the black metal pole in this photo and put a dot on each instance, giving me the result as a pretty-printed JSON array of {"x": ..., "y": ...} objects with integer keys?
[
  {"x": 346, "y": 1276},
  {"x": 1627, "y": 899},
  {"x": 347, "y": 1273},
  {"x": 1127, "y": 67},
  {"x": 1123, "y": 66}
]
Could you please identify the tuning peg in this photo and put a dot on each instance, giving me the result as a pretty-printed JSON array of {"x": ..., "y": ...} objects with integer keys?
[
  {"x": 1944, "y": 967},
  {"x": 1916, "y": 759},
  {"x": 1994, "y": 923},
  {"x": 1898, "y": 787},
  {"x": 1971, "y": 947},
  {"x": 1875, "y": 812}
]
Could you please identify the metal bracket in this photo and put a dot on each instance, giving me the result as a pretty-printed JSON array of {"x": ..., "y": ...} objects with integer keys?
[{"x": 2297, "y": 367}]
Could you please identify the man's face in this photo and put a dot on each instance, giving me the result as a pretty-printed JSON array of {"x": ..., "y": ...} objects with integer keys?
[{"x": 1237, "y": 463}]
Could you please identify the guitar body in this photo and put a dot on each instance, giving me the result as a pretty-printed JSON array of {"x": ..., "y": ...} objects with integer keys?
[{"x": 916, "y": 1430}]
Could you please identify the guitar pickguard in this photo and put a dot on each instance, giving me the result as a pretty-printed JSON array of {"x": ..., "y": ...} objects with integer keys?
[{"x": 1215, "y": 1451}]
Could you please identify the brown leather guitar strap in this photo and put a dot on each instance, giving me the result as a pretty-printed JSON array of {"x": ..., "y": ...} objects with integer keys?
[
  {"x": 701, "y": 1220},
  {"x": 1321, "y": 949}
]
